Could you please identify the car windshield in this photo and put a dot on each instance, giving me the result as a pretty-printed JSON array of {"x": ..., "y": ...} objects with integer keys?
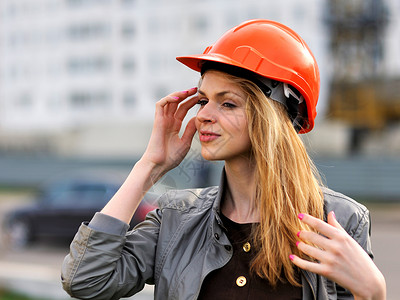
[{"x": 78, "y": 195}]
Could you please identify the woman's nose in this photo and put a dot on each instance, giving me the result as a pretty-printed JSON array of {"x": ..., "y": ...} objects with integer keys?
[{"x": 207, "y": 113}]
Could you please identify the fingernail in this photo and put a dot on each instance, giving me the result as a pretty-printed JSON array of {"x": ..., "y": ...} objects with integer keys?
[
  {"x": 193, "y": 89},
  {"x": 298, "y": 233},
  {"x": 176, "y": 98},
  {"x": 291, "y": 256},
  {"x": 300, "y": 216},
  {"x": 185, "y": 92},
  {"x": 297, "y": 243},
  {"x": 333, "y": 215}
]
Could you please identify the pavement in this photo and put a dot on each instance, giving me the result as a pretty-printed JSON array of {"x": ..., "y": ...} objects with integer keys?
[{"x": 36, "y": 270}]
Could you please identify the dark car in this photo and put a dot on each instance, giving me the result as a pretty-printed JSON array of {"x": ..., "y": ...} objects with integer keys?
[{"x": 60, "y": 208}]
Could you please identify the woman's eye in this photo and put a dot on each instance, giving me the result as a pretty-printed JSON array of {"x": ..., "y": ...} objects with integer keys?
[
  {"x": 228, "y": 105},
  {"x": 202, "y": 102}
]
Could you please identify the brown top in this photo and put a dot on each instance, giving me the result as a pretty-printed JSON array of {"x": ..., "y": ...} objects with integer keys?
[{"x": 234, "y": 280}]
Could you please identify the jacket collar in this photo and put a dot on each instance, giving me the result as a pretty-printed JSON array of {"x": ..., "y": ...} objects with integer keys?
[
  {"x": 221, "y": 192},
  {"x": 218, "y": 200}
]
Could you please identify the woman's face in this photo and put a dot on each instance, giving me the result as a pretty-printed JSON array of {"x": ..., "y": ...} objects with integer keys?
[{"x": 221, "y": 120}]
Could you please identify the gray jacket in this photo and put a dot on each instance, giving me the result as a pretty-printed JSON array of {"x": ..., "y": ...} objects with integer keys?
[{"x": 177, "y": 246}]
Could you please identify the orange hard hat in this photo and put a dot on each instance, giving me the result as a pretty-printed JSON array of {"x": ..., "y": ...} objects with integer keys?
[{"x": 271, "y": 50}]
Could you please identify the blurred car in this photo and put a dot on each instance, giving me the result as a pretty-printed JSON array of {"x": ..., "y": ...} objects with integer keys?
[{"x": 60, "y": 208}]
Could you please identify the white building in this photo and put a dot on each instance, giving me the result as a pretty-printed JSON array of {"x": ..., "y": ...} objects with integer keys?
[
  {"x": 70, "y": 62},
  {"x": 66, "y": 65}
]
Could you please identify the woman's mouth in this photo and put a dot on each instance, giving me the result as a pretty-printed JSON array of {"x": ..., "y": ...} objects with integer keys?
[{"x": 208, "y": 136}]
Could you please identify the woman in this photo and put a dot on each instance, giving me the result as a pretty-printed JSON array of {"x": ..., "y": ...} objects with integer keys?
[{"x": 257, "y": 234}]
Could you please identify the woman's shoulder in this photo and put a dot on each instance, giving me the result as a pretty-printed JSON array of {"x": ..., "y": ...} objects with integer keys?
[
  {"x": 335, "y": 199},
  {"x": 348, "y": 211},
  {"x": 188, "y": 199}
]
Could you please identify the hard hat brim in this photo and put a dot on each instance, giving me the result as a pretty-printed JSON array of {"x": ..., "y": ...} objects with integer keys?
[{"x": 195, "y": 62}]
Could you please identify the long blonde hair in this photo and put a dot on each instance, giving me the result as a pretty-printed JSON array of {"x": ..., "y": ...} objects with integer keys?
[{"x": 287, "y": 183}]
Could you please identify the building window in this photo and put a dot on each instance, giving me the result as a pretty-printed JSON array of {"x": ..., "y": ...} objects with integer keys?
[
  {"x": 200, "y": 24},
  {"x": 128, "y": 30},
  {"x": 23, "y": 101},
  {"x": 128, "y": 2},
  {"x": 129, "y": 99},
  {"x": 155, "y": 26},
  {"x": 89, "y": 99},
  {"x": 160, "y": 92},
  {"x": 86, "y": 2},
  {"x": 128, "y": 65},
  {"x": 88, "y": 31},
  {"x": 88, "y": 64}
]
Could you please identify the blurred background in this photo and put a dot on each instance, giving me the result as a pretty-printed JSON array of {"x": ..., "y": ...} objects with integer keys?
[{"x": 78, "y": 84}]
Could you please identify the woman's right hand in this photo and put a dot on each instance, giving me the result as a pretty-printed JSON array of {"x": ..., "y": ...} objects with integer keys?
[{"x": 166, "y": 149}]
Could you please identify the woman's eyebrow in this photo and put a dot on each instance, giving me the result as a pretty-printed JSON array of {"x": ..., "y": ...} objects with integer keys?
[{"x": 220, "y": 94}]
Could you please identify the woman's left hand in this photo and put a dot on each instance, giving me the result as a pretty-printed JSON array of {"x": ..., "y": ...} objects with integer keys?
[{"x": 340, "y": 258}]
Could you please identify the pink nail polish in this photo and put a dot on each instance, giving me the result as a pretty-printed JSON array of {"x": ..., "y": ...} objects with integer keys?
[
  {"x": 297, "y": 243},
  {"x": 333, "y": 215},
  {"x": 176, "y": 98},
  {"x": 291, "y": 256},
  {"x": 298, "y": 233},
  {"x": 300, "y": 216},
  {"x": 185, "y": 92}
]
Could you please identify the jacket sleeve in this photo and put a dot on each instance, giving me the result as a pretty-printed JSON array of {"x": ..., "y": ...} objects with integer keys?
[{"x": 111, "y": 263}]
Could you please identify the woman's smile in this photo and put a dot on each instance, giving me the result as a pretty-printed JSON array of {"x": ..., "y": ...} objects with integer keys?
[{"x": 208, "y": 136}]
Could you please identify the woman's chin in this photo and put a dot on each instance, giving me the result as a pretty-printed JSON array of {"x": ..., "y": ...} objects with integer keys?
[{"x": 210, "y": 155}]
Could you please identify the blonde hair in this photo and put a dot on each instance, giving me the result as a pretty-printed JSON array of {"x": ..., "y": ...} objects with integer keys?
[{"x": 287, "y": 183}]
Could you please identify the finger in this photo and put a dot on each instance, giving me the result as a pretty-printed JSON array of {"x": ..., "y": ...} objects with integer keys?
[
  {"x": 176, "y": 97},
  {"x": 192, "y": 91},
  {"x": 313, "y": 267},
  {"x": 189, "y": 132},
  {"x": 319, "y": 225},
  {"x": 162, "y": 104},
  {"x": 182, "y": 95},
  {"x": 172, "y": 106},
  {"x": 184, "y": 108},
  {"x": 332, "y": 221},
  {"x": 314, "y": 238},
  {"x": 312, "y": 251}
]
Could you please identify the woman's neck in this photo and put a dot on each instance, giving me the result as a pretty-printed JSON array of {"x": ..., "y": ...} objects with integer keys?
[{"x": 239, "y": 203}]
